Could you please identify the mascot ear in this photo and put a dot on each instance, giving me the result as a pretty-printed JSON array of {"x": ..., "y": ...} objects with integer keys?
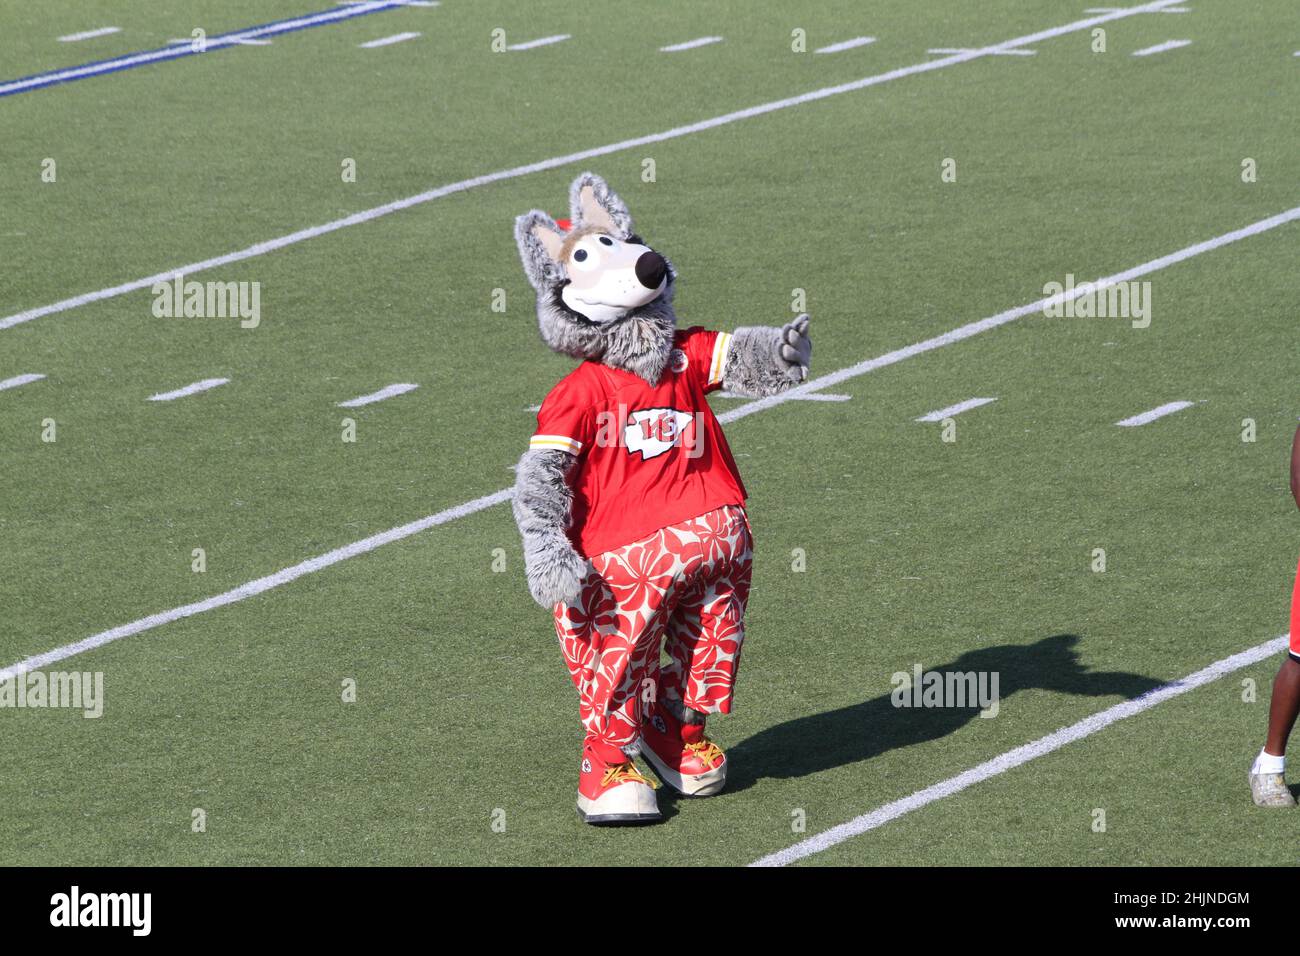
[
  {"x": 539, "y": 240},
  {"x": 593, "y": 203}
]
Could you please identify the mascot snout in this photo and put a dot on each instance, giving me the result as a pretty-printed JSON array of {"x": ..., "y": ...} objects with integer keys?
[
  {"x": 651, "y": 269},
  {"x": 609, "y": 277}
]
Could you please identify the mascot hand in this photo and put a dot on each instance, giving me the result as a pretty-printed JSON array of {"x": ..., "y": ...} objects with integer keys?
[
  {"x": 795, "y": 350},
  {"x": 555, "y": 570}
]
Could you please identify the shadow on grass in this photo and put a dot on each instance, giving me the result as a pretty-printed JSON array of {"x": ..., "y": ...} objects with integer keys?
[{"x": 808, "y": 745}]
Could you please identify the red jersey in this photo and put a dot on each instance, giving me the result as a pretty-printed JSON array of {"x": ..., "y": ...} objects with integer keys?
[{"x": 648, "y": 457}]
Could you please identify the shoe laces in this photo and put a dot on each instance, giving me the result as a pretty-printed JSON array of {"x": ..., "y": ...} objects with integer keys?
[
  {"x": 705, "y": 749},
  {"x": 624, "y": 773}
]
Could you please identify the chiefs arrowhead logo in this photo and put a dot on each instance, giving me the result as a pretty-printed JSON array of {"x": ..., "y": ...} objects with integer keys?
[{"x": 652, "y": 431}]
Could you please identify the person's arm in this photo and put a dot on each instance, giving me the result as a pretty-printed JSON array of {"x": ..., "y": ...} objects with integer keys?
[{"x": 1295, "y": 468}]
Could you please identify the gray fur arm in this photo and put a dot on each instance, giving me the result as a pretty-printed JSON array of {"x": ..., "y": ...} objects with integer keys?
[
  {"x": 763, "y": 360},
  {"x": 542, "y": 506}
]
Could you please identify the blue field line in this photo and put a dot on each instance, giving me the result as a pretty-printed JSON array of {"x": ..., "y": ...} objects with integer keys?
[{"x": 175, "y": 51}]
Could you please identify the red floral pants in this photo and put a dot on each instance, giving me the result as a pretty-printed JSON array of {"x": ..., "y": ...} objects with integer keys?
[{"x": 681, "y": 591}]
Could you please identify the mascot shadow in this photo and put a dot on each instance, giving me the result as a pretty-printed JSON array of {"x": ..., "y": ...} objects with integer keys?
[{"x": 809, "y": 745}]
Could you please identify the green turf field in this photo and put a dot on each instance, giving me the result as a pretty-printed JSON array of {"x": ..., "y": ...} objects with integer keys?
[{"x": 974, "y": 554}]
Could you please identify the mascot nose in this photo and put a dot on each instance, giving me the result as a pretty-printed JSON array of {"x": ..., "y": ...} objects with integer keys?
[{"x": 651, "y": 269}]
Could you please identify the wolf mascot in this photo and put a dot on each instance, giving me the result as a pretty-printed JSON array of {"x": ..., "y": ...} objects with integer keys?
[{"x": 631, "y": 508}]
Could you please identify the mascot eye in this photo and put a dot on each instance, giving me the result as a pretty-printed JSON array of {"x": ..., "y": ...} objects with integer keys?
[
  {"x": 585, "y": 259},
  {"x": 606, "y": 241}
]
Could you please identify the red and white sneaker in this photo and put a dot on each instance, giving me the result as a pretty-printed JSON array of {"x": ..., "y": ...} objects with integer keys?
[
  {"x": 684, "y": 758},
  {"x": 614, "y": 793}
]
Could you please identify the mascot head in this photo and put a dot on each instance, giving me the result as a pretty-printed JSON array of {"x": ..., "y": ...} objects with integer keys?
[{"x": 602, "y": 293}]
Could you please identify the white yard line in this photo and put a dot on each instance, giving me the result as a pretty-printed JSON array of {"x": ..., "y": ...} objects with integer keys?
[
  {"x": 252, "y": 588},
  {"x": 20, "y": 380},
  {"x": 962, "y": 49},
  {"x": 1162, "y": 47},
  {"x": 810, "y": 397},
  {"x": 193, "y": 389},
  {"x": 89, "y": 34},
  {"x": 845, "y": 45},
  {"x": 1011, "y": 315},
  {"x": 1022, "y": 755},
  {"x": 958, "y": 334},
  {"x": 690, "y": 44},
  {"x": 544, "y": 41},
  {"x": 238, "y": 41},
  {"x": 1166, "y": 409},
  {"x": 823, "y": 397},
  {"x": 957, "y": 409},
  {"x": 172, "y": 52},
  {"x": 388, "y": 392},
  {"x": 388, "y": 41},
  {"x": 302, "y": 235},
  {"x": 1113, "y": 9}
]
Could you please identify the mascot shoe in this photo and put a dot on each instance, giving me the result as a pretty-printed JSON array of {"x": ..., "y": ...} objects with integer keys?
[
  {"x": 684, "y": 758},
  {"x": 614, "y": 793}
]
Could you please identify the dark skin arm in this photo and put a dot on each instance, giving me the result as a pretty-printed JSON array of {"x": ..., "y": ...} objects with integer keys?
[
  {"x": 1286, "y": 686},
  {"x": 1295, "y": 468}
]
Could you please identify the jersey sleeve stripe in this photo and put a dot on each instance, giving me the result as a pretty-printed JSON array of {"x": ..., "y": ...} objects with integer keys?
[
  {"x": 560, "y": 442},
  {"x": 719, "y": 362}
]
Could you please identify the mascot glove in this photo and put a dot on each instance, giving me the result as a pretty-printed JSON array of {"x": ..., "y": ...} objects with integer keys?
[
  {"x": 555, "y": 571},
  {"x": 795, "y": 350}
]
